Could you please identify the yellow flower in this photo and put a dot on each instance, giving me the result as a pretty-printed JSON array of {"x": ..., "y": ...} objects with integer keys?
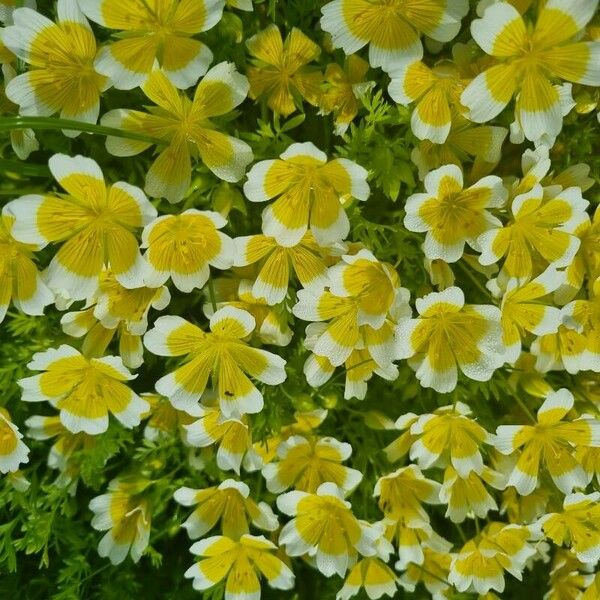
[
  {"x": 563, "y": 350},
  {"x": 452, "y": 216},
  {"x": 228, "y": 503},
  {"x": 577, "y": 527},
  {"x": 528, "y": 60},
  {"x": 550, "y": 440},
  {"x": 566, "y": 581},
  {"x": 309, "y": 191},
  {"x": 62, "y": 454},
  {"x": 465, "y": 496},
  {"x": 589, "y": 459},
  {"x": 19, "y": 277},
  {"x": 94, "y": 224},
  {"x": 61, "y": 56},
  {"x": 183, "y": 246},
  {"x": 274, "y": 263},
  {"x": 84, "y": 390},
  {"x": 436, "y": 92},
  {"x": 241, "y": 562},
  {"x": 392, "y": 28},
  {"x": 524, "y": 509},
  {"x": 306, "y": 463},
  {"x": 373, "y": 575},
  {"x": 220, "y": 355},
  {"x": 164, "y": 420},
  {"x": 126, "y": 514},
  {"x": 448, "y": 435},
  {"x": 402, "y": 493},
  {"x": 232, "y": 436},
  {"x": 343, "y": 88},
  {"x": 479, "y": 566},
  {"x": 280, "y": 73},
  {"x": 449, "y": 333},
  {"x": 465, "y": 142},
  {"x": 13, "y": 451},
  {"x": 154, "y": 31},
  {"x": 325, "y": 528},
  {"x": 584, "y": 315},
  {"x": 539, "y": 234},
  {"x": 186, "y": 128},
  {"x": 432, "y": 572},
  {"x": 524, "y": 311}
]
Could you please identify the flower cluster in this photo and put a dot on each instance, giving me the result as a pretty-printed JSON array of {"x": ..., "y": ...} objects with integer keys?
[{"x": 297, "y": 296}]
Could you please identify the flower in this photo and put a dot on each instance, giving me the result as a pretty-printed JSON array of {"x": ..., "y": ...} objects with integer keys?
[
  {"x": 452, "y": 215},
  {"x": 183, "y": 246},
  {"x": 565, "y": 349},
  {"x": 436, "y": 92},
  {"x": 13, "y": 451},
  {"x": 228, "y": 503},
  {"x": 94, "y": 224},
  {"x": 540, "y": 233},
  {"x": 84, "y": 390},
  {"x": 241, "y": 562},
  {"x": 523, "y": 311},
  {"x": 402, "y": 493},
  {"x": 433, "y": 573},
  {"x": 577, "y": 527},
  {"x": 306, "y": 463},
  {"x": 232, "y": 436},
  {"x": 465, "y": 496},
  {"x": 373, "y": 575},
  {"x": 343, "y": 88},
  {"x": 280, "y": 73},
  {"x": 448, "y": 433},
  {"x": 549, "y": 440},
  {"x": 220, "y": 355},
  {"x": 309, "y": 191},
  {"x": 528, "y": 58},
  {"x": 392, "y": 28},
  {"x": 151, "y": 32},
  {"x": 449, "y": 333},
  {"x": 480, "y": 564},
  {"x": 164, "y": 420},
  {"x": 126, "y": 513},
  {"x": 20, "y": 280},
  {"x": 274, "y": 262},
  {"x": 61, "y": 55},
  {"x": 185, "y": 127},
  {"x": 584, "y": 315},
  {"x": 325, "y": 528}
]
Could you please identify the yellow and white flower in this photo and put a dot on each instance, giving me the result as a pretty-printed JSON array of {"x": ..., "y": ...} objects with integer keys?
[
  {"x": 309, "y": 192},
  {"x": 232, "y": 436},
  {"x": 564, "y": 350},
  {"x": 185, "y": 127},
  {"x": 13, "y": 450},
  {"x": 280, "y": 72},
  {"x": 325, "y": 528},
  {"x": 61, "y": 78},
  {"x": 84, "y": 390},
  {"x": 432, "y": 573},
  {"x": 164, "y": 420},
  {"x": 274, "y": 262},
  {"x": 393, "y": 28},
  {"x": 448, "y": 334},
  {"x": 306, "y": 463},
  {"x": 539, "y": 234},
  {"x": 184, "y": 246},
  {"x": 240, "y": 563},
  {"x": 228, "y": 503},
  {"x": 94, "y": 224},
  {"x": 221, "y": 356},
  {"x": 578, "y": 526},
  {"x": 524, "y": 311},
  {"x": 551, "y": 441},
  {"x": 20, "y": 281},
  {"x": 436, "y": 92},
  {"x": 154, "y": 32},
  {"x": 126, "y": 514},
  {"x": 452, "y": 216},
  {"x": 528, "y": 60}
]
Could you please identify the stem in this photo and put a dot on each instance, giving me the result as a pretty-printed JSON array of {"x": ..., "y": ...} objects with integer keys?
[
  {"x": 211, "y": 293},
  {"x": 23, "y": 168},
  {"x": 53, "y": 123},
  {"x": 525, "y": 408},
  {"x": 474, "y": 279}
]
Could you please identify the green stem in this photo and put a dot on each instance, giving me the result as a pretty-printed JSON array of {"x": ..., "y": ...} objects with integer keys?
[
  {"x": 23, "y": 168},
  {"x": 211, "y": 293},
  {"x": 525, "y": 408},
  {"x": 54, "y": 123},
  {"x": 474, "y": 279}
]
